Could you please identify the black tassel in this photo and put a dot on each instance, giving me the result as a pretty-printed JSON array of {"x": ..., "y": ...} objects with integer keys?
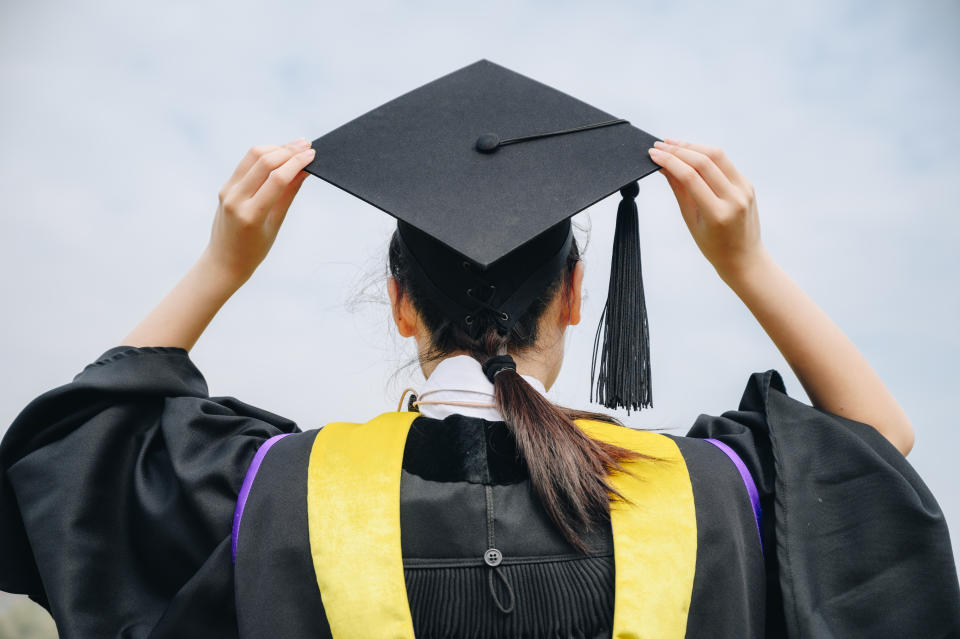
[{"x": 624, "y": 375}]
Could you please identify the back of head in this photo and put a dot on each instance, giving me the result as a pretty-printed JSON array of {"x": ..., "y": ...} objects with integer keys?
[{"x": 462, "y": 308}]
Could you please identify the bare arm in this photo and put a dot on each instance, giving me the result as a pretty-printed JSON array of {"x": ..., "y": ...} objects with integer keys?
[
  {"x": 720, "y": 210},
  {"x": 253, "y": 204}
]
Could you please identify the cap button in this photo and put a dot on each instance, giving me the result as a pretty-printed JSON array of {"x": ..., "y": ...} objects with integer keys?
[
  {"x": 488, "y": 143},
  {"x": 630, "y": 191},
  {"x": 492, "y": 557}
]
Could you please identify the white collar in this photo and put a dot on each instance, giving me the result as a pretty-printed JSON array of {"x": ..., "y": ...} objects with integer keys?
[{"x": 460, "y": 379}]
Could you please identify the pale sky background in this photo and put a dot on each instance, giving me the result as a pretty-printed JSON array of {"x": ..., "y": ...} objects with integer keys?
[{"x": 120, "y": 121}]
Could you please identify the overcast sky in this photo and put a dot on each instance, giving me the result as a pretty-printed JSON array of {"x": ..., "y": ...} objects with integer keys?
[{"x": 120, "y": 121}]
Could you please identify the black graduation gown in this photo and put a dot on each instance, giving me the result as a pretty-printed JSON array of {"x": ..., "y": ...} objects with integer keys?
[{"x": 118, "y": 491}]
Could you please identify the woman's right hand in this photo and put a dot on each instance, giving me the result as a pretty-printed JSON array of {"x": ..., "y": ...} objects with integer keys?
[
  {"x": 253, "y": 204},
  {"x": 716, "y": 201}
]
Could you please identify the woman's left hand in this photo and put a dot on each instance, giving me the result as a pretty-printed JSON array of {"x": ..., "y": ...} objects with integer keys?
[
  {"x": 720, "y": 210},
  {"x": 716, "y": 201}
]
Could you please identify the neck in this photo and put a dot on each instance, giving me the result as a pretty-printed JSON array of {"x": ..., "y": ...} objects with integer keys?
[{"x": 527, "y": 364}]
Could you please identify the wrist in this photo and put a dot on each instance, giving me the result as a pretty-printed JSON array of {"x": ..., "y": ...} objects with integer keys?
[
  {"x": 737, "y": 272},
  {"x": 219, "y": 279}
]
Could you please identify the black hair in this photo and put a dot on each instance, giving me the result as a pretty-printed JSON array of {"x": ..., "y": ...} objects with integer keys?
[{"x": 568, "y": 469}]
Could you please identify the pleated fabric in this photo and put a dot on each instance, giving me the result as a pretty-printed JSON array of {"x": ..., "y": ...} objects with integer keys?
[{"x": 570, "y": 599}]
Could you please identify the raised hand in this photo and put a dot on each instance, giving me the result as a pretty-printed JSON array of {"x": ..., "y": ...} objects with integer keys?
[
  {"x": 716, "y": 201},
  {"x": 720, "y": 209},
  {"x": 254, "y": 203}
]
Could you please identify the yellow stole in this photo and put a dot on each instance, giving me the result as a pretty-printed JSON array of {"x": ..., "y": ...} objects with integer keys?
[{"x": 353, "y": 508}]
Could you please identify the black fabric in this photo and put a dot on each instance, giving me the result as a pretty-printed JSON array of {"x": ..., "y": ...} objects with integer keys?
[
  {"x": 447, "y": 522},
  {"x": 118, "y": 492},
  {"x": 573, "y": 599},
  {"x": 729, "y": 559},
  {"x": 463, "y": 290},
  {"x": 857, "y": 543},
  {"x": 459, "y": 448},
  {"x": 415, "y": 158},
  {"x": 274, "y": 569}
]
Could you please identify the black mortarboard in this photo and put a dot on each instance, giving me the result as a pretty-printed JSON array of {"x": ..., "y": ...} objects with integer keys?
[{"x": 484, "y": 161}]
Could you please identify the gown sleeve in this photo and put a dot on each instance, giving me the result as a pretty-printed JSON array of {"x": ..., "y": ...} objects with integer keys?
[
  {"x": 117, "y": 493},
  {"x": 856, "y": 544}
]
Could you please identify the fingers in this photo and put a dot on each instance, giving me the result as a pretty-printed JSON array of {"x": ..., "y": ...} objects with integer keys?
[
  {"x": 705, "y": 166},
  {"x": 687, "y": 177},
  {"x": 278, "y": 191},
  {"x": 719, "y": 158},
  {"x": 252, "y": 156},
  {"x": 264, "y": 166},
  {"x": 278, "y": 180}
]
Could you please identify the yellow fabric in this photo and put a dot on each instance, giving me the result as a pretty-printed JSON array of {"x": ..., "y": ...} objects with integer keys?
[
  {"x": 353, "y": 495},
  {"x": 654, "y": 539},
  {"x": 353, "y": 511}
]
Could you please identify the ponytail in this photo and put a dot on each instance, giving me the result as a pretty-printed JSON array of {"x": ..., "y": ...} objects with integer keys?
[{"x": 568, "y": 469}]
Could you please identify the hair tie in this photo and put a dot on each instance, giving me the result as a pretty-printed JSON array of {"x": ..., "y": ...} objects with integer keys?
[{"x": 496, "y": 364}]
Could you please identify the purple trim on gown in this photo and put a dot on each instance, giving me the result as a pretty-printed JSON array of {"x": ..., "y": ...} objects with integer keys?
[
  {"x": 245, "y": 489},
  {"x": 747, "y": 481}
]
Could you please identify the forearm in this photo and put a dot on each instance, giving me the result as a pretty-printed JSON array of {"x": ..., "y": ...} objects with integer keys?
[
  {"x": 182, "y": 316},
  {"x": 832, "y": 371},
  {"x": 252, "y": 206}
]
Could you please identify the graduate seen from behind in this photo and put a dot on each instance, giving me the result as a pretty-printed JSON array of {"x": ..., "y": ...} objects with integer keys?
[{"x": 133, "y": 504}]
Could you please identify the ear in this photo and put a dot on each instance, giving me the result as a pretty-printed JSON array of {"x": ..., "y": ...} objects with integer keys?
[
  {"x": 575, "y": 295},
  {"x": 403, "y": 314}
]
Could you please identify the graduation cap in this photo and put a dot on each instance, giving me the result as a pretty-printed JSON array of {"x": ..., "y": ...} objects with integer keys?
[{"x": 483, "y": 169}]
